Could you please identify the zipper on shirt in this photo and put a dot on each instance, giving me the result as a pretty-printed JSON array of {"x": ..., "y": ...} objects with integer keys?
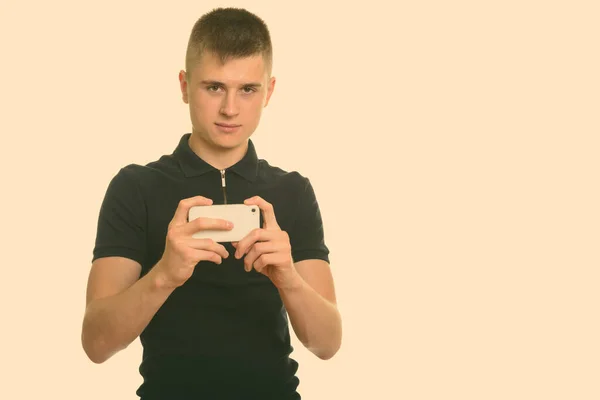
[{"x": 224, "y": 186}]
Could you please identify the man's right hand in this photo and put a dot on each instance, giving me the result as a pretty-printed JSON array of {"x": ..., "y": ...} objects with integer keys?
[{"x": 182, "y": 251}]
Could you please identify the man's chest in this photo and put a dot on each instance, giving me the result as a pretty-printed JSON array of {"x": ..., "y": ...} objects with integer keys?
[{"x": 163, "y": 198}]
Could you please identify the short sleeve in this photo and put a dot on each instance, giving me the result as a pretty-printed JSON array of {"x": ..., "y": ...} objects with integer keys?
[
  {"x": 121, "y": 229},
  {"x": 307, "y": 236}
]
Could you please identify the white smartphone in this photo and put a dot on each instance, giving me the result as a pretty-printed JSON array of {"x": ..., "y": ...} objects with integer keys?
[{"x": 245, "y": 218}]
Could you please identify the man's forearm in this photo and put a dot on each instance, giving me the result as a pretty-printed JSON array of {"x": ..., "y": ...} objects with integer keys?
[
  {"x": 112, "y": 323},
  {"x": 316, "y": 321}
]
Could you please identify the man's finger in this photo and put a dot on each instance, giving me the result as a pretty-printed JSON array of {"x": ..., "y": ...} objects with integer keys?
[
  {"x": 208, "y": 245},
  {"x": 180, "y": 216},
  {"x": 247, "y": 241},
  {"x": 267, "y": 209},
  {"x": 257, "y": 250},
  {"x": 206, "y": 224},
  {"x": 257, "y": 235},
  {"x": 264, "y": 260},
  {"x": 208, "y": 255}
]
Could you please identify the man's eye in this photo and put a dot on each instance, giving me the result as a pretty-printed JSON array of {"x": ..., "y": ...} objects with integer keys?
[
  {"x": 249, "y": 89},
  {"x": 213, "y": 88}
]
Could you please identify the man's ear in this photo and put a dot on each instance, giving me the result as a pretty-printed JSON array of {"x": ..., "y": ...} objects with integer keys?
[
  {"x": 270, "y": 88},
  {"x": 183, "y": 85}
]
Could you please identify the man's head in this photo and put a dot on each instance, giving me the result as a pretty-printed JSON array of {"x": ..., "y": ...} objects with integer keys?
[{"x": 228, "y": 76}]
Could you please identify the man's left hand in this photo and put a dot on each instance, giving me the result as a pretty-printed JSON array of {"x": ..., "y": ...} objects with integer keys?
[{"x": 268, "y": 249}]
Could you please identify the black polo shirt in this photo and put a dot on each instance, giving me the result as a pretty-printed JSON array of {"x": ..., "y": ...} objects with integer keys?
[{"x": 225, "y": 328}]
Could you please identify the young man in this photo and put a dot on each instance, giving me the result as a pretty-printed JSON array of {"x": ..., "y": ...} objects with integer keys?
[{"x": 213, "y": 317}]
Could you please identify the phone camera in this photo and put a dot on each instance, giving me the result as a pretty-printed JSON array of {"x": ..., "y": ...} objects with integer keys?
[{"x": 254, "y": 210}]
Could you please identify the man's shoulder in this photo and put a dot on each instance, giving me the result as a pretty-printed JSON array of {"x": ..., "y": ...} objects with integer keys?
[
  {"x": 139, "y": 171},
  {"x": 291, "y": 178}
]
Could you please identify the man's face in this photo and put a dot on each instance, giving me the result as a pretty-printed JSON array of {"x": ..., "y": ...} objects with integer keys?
[{"x": 226, "y": 101}]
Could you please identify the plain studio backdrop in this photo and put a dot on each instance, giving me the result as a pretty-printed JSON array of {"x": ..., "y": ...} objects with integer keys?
[{"x": 453, "y": 147}]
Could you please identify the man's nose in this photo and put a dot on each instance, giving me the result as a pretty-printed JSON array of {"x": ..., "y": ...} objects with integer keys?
[{"x": 230, "y": 106}]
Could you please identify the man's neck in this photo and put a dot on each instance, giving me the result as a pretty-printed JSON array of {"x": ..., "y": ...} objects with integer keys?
[{"x": 217, "y": 157}]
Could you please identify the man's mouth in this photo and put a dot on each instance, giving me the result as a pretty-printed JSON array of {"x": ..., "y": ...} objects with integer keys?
[
  {"x": 227, "y": 128},
  {"x": 227, "y": 125}
]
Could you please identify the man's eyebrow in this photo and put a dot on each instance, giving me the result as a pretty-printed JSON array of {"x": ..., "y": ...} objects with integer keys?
[{"x": 217, "y": 83}]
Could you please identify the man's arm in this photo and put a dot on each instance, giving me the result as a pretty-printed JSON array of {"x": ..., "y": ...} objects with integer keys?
[
  {"x": 306, "y": 286},
  {"x": 312, "y": 308},
  {"x": 119, "y": 306}
]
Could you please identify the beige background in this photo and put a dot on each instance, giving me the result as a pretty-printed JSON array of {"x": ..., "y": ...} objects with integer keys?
[{"x": 453, "y": 147}]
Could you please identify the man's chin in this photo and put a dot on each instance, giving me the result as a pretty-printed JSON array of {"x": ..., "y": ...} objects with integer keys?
[
  {"x": 229, "y": 141},
  {"x": 223, "y": 140}
]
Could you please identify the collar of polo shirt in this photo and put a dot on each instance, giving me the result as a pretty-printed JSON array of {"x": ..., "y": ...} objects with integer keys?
[{"x": 192, "y": 165}]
